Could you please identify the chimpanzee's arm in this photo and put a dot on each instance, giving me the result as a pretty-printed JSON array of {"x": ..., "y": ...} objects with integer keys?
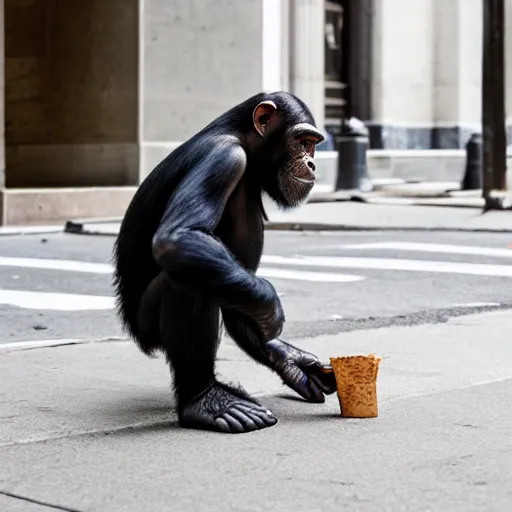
[
  {"x": 300, "y": 370},
  {"x": 184, "y": 245},
  {"x": 246, "y": 337}
]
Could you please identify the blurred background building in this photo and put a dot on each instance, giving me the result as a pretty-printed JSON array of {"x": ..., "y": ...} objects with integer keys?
[{"x": 96, "y": 92}]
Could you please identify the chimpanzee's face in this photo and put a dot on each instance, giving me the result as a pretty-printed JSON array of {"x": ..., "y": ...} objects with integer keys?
[
  {"x": 296, "y": 172},
  {"x": 285, "y": 154}
]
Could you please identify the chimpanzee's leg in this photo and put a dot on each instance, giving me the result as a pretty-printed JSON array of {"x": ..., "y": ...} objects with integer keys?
[{"x": 189, "y": 335}]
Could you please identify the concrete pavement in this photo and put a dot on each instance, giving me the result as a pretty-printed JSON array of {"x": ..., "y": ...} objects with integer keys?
[{"x": 90, "y": 427}]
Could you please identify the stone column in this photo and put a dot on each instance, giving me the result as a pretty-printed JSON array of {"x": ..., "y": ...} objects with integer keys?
[
  {"x": 307, "y": 54},
  {"x": 274, "y": 45},
  {"x": 457, "y": 72},
  {"x": 2, "y": 103},
  {"x": 508, "y": 70},
  {"x": 197, "y": 59},
  {"x": 402, "y": 72}
]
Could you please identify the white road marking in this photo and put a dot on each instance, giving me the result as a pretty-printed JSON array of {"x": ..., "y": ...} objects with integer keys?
[
  {"x": 102, "y": 268},
  {"x": 56, "y": 264},
  {"x": 55, "y": 301},
  {"x": 313, "y": 261},
  {"x": 300, "y": 275},
  {"x": 77, "y": 302},
  {"x": 436, "y": 248},
  {"x": 447, "y": 267},
  {"x": 476, "y": 305}
]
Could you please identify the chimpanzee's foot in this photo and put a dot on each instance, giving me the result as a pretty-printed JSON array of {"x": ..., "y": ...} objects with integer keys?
[{"x": 225, "y": 409}]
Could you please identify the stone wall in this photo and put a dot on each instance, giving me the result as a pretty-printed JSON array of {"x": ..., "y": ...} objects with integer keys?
[
  {"x": 71, "y": 92},
  {"x": 427, "y": 65},
  {"x": 197, "y": 60}
]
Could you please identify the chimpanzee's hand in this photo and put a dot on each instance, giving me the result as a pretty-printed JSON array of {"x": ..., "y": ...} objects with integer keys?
[{"x": 301, "y": 371}]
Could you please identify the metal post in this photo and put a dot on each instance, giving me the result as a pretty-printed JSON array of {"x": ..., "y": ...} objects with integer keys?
[
  {"x": 500, "y": 148},
  {"x": 473, "y": 176},
  {"x": 352, "y": 143},
  {"x": 493, "y": 102}
]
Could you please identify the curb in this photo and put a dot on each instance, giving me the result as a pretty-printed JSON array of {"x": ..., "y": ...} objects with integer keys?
[
  {"x": 86, "y": 229},
  {"x": 310, "y": 226},
  {"x": 432, "y": 202},
  {"x": 29, "y": 230},
  {"x": 405, "y": 200}
]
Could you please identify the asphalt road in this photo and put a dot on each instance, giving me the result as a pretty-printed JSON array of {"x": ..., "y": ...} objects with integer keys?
[{"x": 329, "y": 282}]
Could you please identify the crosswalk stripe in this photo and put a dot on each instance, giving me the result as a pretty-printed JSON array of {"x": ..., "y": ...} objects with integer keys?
[
  {"x": 56, "y": 264},
  {"x": 55, "y": 301},
  {"x": 77, "y": 302},
  {"x": 300, "y": 275},
  {"x": 447, "y": 267},
  {"x": 102, "y": 268},
  {"x": 435, "y": 248},
  {"x": 309, "y": 261},
  {"x": 476, "y": 305}
]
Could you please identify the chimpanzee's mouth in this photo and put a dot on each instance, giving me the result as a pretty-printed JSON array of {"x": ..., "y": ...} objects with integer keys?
[{"x": 302, "y": 180}]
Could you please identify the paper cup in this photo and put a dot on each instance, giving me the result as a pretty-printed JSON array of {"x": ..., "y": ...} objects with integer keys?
[{"x": 356, "y": 381}]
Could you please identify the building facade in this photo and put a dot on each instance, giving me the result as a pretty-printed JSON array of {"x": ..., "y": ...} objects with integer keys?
[{"x": 97, "y": 92}]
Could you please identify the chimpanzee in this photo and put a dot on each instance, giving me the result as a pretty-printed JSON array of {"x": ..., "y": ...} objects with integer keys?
[{"x": 188, "y": 249}]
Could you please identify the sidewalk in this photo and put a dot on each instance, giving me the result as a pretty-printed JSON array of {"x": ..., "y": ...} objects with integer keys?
[
  {"x": 90, "y": 428},
  {"x": 381, "y": 216},
  {"x": 352, "y": 215}
]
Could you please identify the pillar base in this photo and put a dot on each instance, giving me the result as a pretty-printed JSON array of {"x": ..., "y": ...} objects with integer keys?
[{"x": 42, "y": 206}]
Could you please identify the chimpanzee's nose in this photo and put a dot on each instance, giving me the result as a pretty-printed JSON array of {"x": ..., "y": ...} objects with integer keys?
[{"x": 311, "y": 165}]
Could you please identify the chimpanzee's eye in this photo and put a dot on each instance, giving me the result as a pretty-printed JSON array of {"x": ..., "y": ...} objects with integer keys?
[{"x": 308, "y": 145}]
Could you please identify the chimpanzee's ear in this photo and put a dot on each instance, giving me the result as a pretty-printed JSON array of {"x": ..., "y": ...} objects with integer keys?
[{"x": 262, "y": 116}]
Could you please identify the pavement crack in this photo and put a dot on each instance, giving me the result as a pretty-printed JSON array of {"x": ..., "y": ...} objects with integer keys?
[
  {"x": 317, "y": 481},
  {"x": 37, "y": 502},
  {"x": 25, "y": 346},
  {"x": 94, "y": 432}
]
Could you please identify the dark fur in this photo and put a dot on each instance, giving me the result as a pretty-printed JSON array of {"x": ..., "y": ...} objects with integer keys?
[{"x": 182, "y": 221}]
